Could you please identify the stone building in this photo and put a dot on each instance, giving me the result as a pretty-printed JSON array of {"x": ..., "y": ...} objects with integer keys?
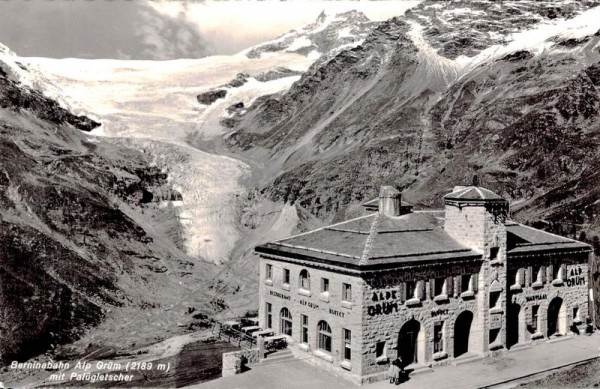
[{"x": 431, "y": 287}]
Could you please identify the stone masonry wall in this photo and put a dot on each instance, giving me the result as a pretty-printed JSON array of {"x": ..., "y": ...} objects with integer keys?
[
  {"x": 386, "y": 309},
  {"x": 317, "y": 306},
  {"x": 570, "y": 289},
  {"x": 235, "y": 360}
]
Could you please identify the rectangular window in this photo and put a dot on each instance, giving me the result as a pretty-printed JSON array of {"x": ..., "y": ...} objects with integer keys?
[
  {"x": 438, "y": 285},
  {"x": 269, "y": 272},
  {"x": 304, "y": 319},
  {"x": 534, "y": 317},
  {"x": 494, "y": 335},
  {"x": 286, "y": 276},
  {"x": 494, "y": 299},
  {"x": 555, "y": 272},
  {"x": 494, "y": 253},
  {"x": 411, "y": 288},
  {"x": 346, "y": 292},
  {"x": 324, "y": 285},
  {"x": 576, "y": 314},
  {"x": 465, "y": 283},
  {"x": 380, "y": 349},
  {"x": 269, "y": 318},
  {"x": 438, "y": 337},
  {"x": 347, "y": 344}
]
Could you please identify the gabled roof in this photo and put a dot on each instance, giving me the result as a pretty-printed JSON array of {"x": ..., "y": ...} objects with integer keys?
[
  {"x": 376, "y": 240},
  {"x": 472, "y": 193}
]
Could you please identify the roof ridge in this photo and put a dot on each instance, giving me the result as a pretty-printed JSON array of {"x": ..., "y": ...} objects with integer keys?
[
  {"x": 480, "y": 192},
  {"x": 369, "y": 243},
  {"x": 320, "y": 228}
]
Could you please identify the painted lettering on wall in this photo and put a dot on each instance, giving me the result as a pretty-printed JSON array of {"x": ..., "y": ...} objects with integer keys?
[
  {"x": 280, "y": 295},
  {"x": 386, "y": 303},
  {"x": 439, "y": 312},
  {"x": 336, "y": 313},
  {"x": 309, "y": 304},
  {"x": 384, "y": 308},
  {"x": 384, "y": 295},
  {"x": 576, "y": 277},
  {"x": 536, "y": 297}
]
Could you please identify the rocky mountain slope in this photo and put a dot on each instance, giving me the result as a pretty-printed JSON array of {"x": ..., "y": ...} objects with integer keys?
[
  {"x": 89, "y": 233},
  {"x": 508, "y": 91},
  {"x": 154, "y": 106}
]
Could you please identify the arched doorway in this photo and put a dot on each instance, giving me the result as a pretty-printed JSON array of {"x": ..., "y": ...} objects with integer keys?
[
  {"x": 408, "y": 342},
  {"x": 462, "y": 331},
  {"x": 556, "y": 318},
  {"x": 512, "y": 325}
]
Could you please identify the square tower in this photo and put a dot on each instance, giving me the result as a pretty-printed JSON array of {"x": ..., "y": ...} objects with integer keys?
[{"x": 475, "y": 217}]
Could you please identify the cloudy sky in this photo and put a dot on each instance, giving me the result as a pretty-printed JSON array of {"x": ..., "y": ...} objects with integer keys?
[{"x": 139, "y": 29}]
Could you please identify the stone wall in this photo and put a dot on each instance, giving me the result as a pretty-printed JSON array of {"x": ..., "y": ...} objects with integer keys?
[
  {"x": 388, "y": 291},
  {"x": 316, "y": 306},
  {"x": 235, "y": 361},
  {"x": 568, "y": 291}
]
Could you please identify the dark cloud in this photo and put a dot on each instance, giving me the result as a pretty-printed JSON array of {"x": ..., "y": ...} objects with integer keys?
[
  {"x": 167, "y": 38},
  {"x": 97, "y": 29}
]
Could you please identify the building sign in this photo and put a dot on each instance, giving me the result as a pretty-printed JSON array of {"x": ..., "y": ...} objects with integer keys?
[
  {"x": 439, "y": 312},
  {"x": 536, "y": 297},
  {"x": 280, "y": 295},
  {"x": 386, "y": 303},
  {"x": 384, "y": 295},
  {"x": 384, "y": 308},
  {"x": 309, "y": 304},
  {"x": 576, "y": 277},
  {"x": 495, "y": 320},
  {"x": 336, "y": 313}
]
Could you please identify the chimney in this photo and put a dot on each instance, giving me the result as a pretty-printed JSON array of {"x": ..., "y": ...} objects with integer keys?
[{"x": 389, "y": 201}]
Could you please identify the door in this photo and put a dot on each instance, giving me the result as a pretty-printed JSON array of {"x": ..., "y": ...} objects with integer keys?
[
  {"x": 407, "y": 342},
  {"x": 462, "y": 331},
  {"x": 553, "y": 311},
  {"x": 513, "y": 324}
]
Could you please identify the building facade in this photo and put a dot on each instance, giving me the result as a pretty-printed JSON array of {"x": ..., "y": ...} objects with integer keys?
[{"x": 430, "y": 287}]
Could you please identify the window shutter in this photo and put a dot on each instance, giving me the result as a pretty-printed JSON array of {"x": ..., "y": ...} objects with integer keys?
[
  {"x": 542, "y": 274},
  {"x": 475, "y": 282},
  {"x": 457, "y": 286},
  {"x": 431, "y": 288},
  {"x": 402, "y": 292},
  {"x": 563, "y": 272},
  {"x": 550, "y": 273},
  {"x": 449, "y": 286}
]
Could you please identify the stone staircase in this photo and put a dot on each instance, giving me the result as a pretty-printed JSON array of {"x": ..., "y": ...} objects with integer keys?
[{"x": 278, "y": 356}]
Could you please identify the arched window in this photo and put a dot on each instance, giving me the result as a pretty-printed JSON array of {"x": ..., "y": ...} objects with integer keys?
[
  {"x": 304, "y": 279},
  {"x": 286, "y": 321},
  {"x": 324, "y": 336}
]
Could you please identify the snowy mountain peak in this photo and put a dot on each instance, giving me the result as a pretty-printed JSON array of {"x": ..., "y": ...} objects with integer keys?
[
  {"x": 328, "y": 33},
  {"x": 322, "y": 17}
]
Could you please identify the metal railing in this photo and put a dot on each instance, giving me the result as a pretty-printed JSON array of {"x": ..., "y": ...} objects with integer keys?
[{"x": 233, "y": 336}]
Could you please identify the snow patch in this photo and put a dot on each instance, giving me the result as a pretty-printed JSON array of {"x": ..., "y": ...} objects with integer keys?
[{"x": 299, "y": 43}]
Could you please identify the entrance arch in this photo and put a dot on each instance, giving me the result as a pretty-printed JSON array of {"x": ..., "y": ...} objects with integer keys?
[
  {"x": 462, "y": 332},
  {"x": 513, "y": 325},
  {"x": 409, "y": 341},
  {"x": 557, "y": 317}
]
